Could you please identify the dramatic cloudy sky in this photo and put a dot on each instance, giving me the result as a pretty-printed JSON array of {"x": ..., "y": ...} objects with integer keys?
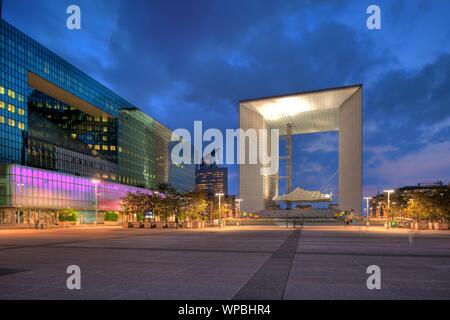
[{"x": 189, "y": 60}]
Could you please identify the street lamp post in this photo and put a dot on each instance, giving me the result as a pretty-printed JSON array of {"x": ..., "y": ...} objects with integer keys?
[
  {"x": 388, "y": 202},
  {"x": 220, "y": 208},
  {"x": 367, "y": 208},
  {"x": 389, "y": 199},
  {"x": 96, "y": 182},
  {"x": 19, "y": 205},
  {"x": 238, "y": 201}
]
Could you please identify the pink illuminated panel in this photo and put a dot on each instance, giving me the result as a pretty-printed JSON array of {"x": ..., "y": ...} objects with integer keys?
[{"x": 37, "y": 188}]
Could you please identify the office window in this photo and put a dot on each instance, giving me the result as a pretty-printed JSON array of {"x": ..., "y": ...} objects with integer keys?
[
  {"x": 97, "y": 147},
  {"x": 2, "y": 105},
  {"x": 11, "y": 108},
  {"x": 11, "y": 123},
  {"x": 113, "y": 148},
  {"x": 2, "y": 119},
  {"x": 11, "y": 94},
  {"x": 2, "y": 90},
  {"x": 105, "y": 148},
  {"x": 20, "y": 98},
  {"x": 20, "y": 111},
  {"x": 21, "y": 125}
]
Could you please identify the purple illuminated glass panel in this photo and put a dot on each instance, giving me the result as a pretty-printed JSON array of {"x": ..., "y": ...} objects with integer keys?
[{"x": 42, "y": 189}]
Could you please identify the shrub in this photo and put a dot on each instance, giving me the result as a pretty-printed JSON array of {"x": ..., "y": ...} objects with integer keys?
[
  {"x": 68, "y": 215},
  {"x": 111, "y": 216},
  {"x": 140, "y": 217}
]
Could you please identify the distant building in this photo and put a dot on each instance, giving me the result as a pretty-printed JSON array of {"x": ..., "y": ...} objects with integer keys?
[
  {"x": 211, "y": 179},
  {"x": 378, "y": 207},
  {"x": 425, "y": 187}
]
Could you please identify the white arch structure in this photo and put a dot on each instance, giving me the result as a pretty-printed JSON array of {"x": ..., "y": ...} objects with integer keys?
[{"x": 337, "y": 109}]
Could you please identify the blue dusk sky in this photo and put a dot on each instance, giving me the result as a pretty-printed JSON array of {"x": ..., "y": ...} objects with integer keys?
[{"x": 181, "y": 61}]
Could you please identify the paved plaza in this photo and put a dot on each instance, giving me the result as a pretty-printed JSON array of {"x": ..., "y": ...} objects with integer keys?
[{"x": 316, "y": 262}]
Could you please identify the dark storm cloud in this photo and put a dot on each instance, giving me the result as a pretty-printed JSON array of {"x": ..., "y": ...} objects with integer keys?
[
  {"x": 227, "y": 51},
  {"x": 410, "y": 105}
]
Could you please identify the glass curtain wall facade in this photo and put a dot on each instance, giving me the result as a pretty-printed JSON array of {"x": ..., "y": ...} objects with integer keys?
[
  {"x": 56, "y": 118},
  {"x": 26, "y": 193},
  {"x": 182, "y": 176},
  {"x": 144, "y": 160}
]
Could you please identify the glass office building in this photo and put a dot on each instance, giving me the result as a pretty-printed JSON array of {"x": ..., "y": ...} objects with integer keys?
[
  {"x": 182, "y": 175},
  {"x": 55, "y": 118}
]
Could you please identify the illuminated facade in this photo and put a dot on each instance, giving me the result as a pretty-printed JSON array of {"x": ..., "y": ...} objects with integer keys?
[
  {"x": 33, "y": 193},
  {"x": 212, "y": 179},
  {"x": 338, "y": 109},
  {"x": 56, "y": 118}
]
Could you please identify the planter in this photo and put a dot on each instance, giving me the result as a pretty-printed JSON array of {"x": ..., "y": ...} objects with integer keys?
[
  {"x": 64, "y": 224},
  {"x": 440, "y": 226},
  {"x": 171, "y": 225},
  {"x": 159, "y": 224},
  {"x": 110, "y": 223},
  {"x": 420, "y": 226},
  {"x": 430, "y": 225},
  {"x": 136, "y": 225},
  {"x": 198, "y": 224},
  {"x": 147, "y": 225}
]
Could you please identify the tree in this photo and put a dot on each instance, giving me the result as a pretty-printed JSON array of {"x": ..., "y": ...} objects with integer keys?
[
  {"x": 433, "y": 205},
  {"x": 135, "y": 203},
  {"x": 194, "y": 206},
  {"x": 68, "y": 215},
  {"x": 111, "y": 216},
  {"x": 170, "y": 205}
]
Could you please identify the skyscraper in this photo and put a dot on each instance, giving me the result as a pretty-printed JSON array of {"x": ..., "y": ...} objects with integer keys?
[{"x": 211, "y": 179}]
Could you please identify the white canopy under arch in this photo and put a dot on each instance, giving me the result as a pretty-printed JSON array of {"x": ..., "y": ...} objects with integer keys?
[{"x": 301, "y": 195}]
